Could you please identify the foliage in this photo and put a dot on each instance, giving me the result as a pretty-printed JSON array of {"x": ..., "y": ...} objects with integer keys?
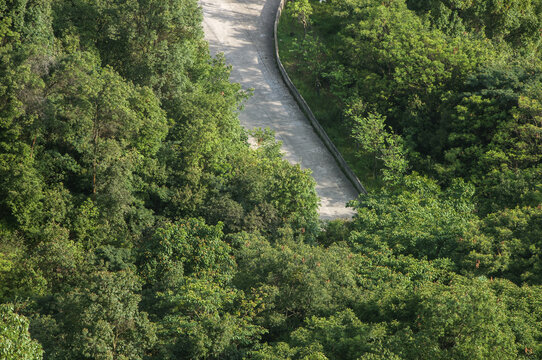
[
  {"x": 371, "y": 135},
  {"x": 100, "y": 319},
  {"x": 455, "y": 80},
  {"x": 302, "y": 9},
  {"x": 15, "y": 341},
  {"x": 516, "y": 22},
  {"x": 136, "y": 222},
  {"x": 188, "y": 269}
]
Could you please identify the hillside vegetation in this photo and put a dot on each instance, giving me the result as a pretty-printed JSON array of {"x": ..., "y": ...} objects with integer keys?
[
  {"x": 450, "y": 89},
  {"x": 137, "y": 223}
]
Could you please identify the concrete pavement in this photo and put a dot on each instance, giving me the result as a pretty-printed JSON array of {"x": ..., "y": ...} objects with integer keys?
[{"x": 243, "y": 31}]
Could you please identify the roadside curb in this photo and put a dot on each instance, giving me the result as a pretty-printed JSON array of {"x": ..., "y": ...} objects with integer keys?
[{"x": 308, "y": 112}]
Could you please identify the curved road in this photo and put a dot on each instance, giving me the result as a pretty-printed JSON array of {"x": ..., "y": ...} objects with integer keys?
[{"x": 243, "y": 31}]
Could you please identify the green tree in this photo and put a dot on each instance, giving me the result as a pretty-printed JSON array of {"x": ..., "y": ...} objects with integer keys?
[
  {"x": 418, "y": 218},
  {"x": 463, "y": 321},
  {"x": 515, "y": 22},
  {"x": 97, "y": 137},
  {"x": 21, "y": 102},
  {"x": 300, "y": 280},
  {"x": 100, "y": 319},
  {"x": 519, "y": 231},
  {"x": 15, "y": 341},
  {"x": 373, "y": 136},
  {"x": 188, "y": 269},
  {"x": 302, "y": 10},
  {"x": 370, "y": 135}
]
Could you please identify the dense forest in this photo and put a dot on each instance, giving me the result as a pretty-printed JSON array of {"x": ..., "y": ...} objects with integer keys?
[{"x": 136, "y": 222}]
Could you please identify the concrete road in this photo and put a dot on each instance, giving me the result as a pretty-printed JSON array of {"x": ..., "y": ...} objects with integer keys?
[{"x": 243, "y": 31}]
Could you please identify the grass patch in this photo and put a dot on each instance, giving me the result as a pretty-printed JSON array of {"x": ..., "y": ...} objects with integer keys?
[{"x": 323, "y": 104}]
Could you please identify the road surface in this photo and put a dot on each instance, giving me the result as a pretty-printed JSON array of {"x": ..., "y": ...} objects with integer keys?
[{"x": 243, "y": 31}]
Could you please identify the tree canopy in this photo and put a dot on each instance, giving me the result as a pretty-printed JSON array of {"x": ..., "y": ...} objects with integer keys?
[{"x": 136, "y": 222}]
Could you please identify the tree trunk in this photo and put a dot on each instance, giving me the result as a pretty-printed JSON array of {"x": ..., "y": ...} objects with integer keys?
[{"x": 32, "y": 148}]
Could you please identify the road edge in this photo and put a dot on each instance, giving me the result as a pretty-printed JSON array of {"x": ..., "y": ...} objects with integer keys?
[{"x": 308, "y": 112}]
